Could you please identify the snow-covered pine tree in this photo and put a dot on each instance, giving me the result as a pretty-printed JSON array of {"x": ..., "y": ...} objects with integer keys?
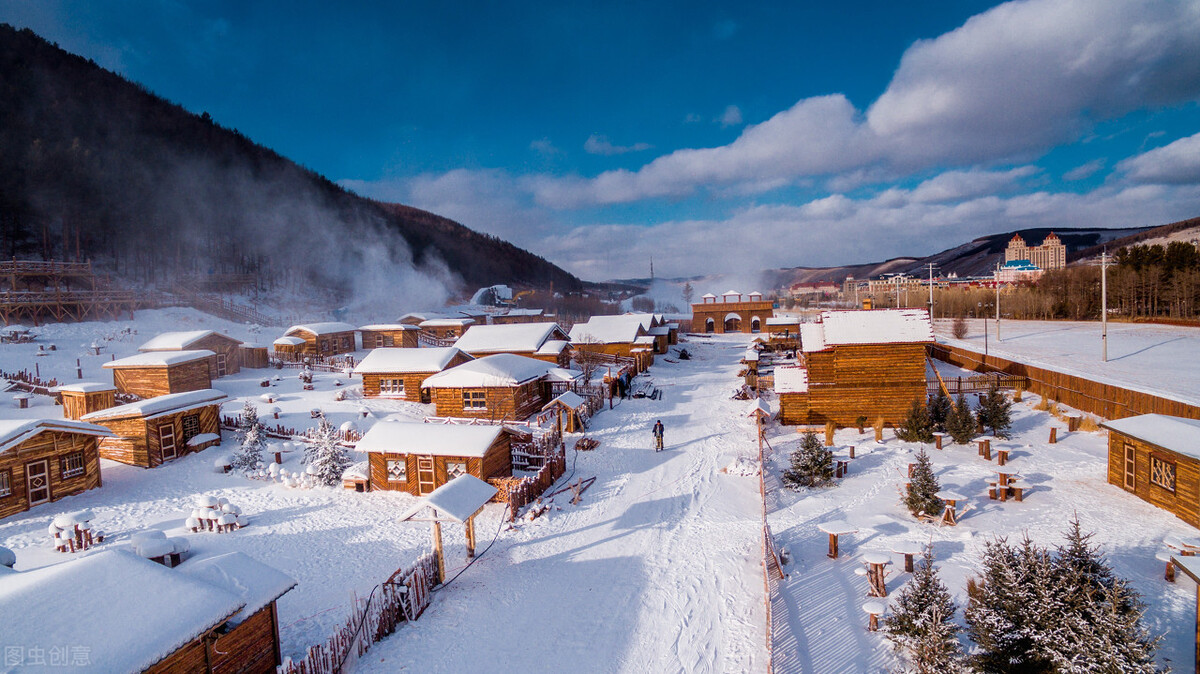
[
  {"x": 923, "y": 488},
  {"x": 328, "y": 458},
  {"x": 921, "y": 625},
  {"x": 916, "y": 426},
  {"x": 940, "y": 409},
  {"x": 1009, "y": 608},
  {"x": 995, "y": 411},
  {"x": 961, "y": 425},
  {"x": 812, "y": 464},
  {"x": 253, "y": 439}
]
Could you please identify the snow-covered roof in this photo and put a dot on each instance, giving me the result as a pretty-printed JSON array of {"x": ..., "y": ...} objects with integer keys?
[
  {"x": 446, "y": 322},
  {"x": 389, "y": 360},
  {"x": 727, "y": 293},
  {"x": 644, "y": 339},
  {"x": 15, "y": 328},
  {"x": 15, "y": 431},
  {"x": 562, "y": 374},
  {"x": 325, "y": 328},
  {"x": 812, "y": 337},
  {"x": 251, "y": 581},
  {"x": 553, "y": 347},
  {"x": 399, "y": 435},
  {"x": 569, "y": 399},
  {"x": 758, "y": 407},
  {"x": 608, "y": 329},
  {"x": 177, "y": 341},
  {"x": 129, "y": 611},
  {"x": 458, "y": 499},
  {"x": 783, "y": 320},
  {"x": 708, "y": 296},
  {"x": 84, "y": 387},
  {"x": 1176, "y": 434},
  {"x": 422, "y": 316},
  {"x": 507, "y": 338},
  {"x": 883, "y": 326},
  {"x": 660, "y": 331},
  {"x": 168, "y": 404},
  {"x": 389, "y": 326},
  {"x": 523, "y": 312},
  {"x": 360, "y": 470},
  {"x": 751, "y": 356},
  {"x": 159, "y": 359},
  {"x": 288, "y": 341},
  {"x": 501, "y": 369},
  {"x": 791, "y": 379}
]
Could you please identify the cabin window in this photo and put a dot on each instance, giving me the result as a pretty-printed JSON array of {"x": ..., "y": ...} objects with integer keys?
[
  {"x": 388, "y": 340},
  {"x": 5, "y": 483},
  {"x": 391, "y": 386},
  {"x": 397, "y": 470},
  {"x": 455, "y": 468},
  {"x": 1162, "y": 473},
  {"x": 191, "y": 427},
  {"x": 324, "y": 345},
  {"x": 474, "y": 400},
  {"x": 346, "y": 343},
  {"x": 222, "y": 365},
  {"x": 378, "y": 340},
  {"x": 72, "y": 465}
]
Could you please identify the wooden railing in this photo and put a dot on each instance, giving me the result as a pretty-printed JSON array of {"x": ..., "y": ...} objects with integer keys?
[
  {"x": 427, "y": 338},
  {"x": 977, "y": 383},
  {"x": 44, "y": 268}
]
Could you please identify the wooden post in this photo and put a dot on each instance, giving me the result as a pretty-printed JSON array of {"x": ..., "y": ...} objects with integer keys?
[
  {"x": 908, "y": 562},
  {"x": 879, "y": 430},
  {"x": 830, "y": 428},
  {"x": 851, "y": 451},
  {"x": 833, "y": 546},
  {"x": 937, "y": 442},
  {"x": 470, "y": 524},
  {"x": 437, "y": 550},
  {"x": 1053, "y": 435}
]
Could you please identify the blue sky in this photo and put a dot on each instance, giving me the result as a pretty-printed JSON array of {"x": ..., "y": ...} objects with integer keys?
[{"x": 713, "y": 136}]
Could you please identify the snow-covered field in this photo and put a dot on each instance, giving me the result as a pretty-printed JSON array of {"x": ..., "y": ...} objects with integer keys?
[{"x": 1159, "y": 359}]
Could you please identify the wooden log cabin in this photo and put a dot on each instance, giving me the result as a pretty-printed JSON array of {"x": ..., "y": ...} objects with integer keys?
[
  {"x": 418, "y": 458},
  {"x": 385, "y": 335},
  {"x": 212, "y": 615},
  {"x": 499, "y": 387},
  {"x": 863, "y": 363},
  {"x": 733, "y": 313},
  {"x": 613, "y": 335},
  {"x": 791, "y": 386},
  {"x": 43, "y": 460},
  {"x": 447, "y": 328},
  {"x": 400, "y": 373},
  {"x": 227, "y": 359},
  {"x": 254, "y": 356},
  {"x": 513, "y": 316},
  {"x": 79, "y": 399},
  {"x": 163, "y": 372},
  {"x": 543, "y": 341},
  {"x": 1157, "y": 458},
  {"x": 783, "y": 332},
  {"x": 151, "y": 432},
  {"x": 321, "y": 339}
]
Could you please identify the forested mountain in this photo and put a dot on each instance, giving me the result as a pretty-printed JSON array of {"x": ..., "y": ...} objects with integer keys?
[{"x": 93, "y": 166}]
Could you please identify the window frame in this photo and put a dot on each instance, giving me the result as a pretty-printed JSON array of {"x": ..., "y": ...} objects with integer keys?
[
  {"x": 474, "y": 399},
  {"x": 68, "y": 473},
  {"x": 387, "y": 470},
  {"x": 387, "y": 386},
  {"x": 450, "y": 475},
  {"x": 184, "y": 421},
  {"x": 1156, "y": 458},
  {"x": 6, "y": 481}
]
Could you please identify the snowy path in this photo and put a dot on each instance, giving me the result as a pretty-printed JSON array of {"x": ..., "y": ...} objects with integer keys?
[{"x": 657, "y": 570}]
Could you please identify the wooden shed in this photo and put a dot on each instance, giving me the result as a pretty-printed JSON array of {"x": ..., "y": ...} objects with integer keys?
[
  {"x": 791, "y": 385},
  {"x": 254, "y": 356},
  {"x": 322, "y": 339},
  {"x": 84, "y": 397},
  {"x": 503, "y": 386},
  {"x": 151, "y": 618},
  {"x": 150, "y": 432},
  {"x": 732, "y": 312},
  {"x": 1157, "y": 458},
  {"x": 227, "y": 351},
  {"x": 399, "y": 373},
  {"x": 447, "y": 328},
  {"x": 522, "y": 339},
  {"x": 863, "y": 363},
  {"x": 418, "y": 458},
  {"x": 43, "y": 460},
  {"x": 385, "y": 335},
  {"x": 162, "y": 372}
]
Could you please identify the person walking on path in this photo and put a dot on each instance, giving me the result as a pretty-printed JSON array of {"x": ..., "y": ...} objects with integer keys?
[{"x": 658, "y": 435}]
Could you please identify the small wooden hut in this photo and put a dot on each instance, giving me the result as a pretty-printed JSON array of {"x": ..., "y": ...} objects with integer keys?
[
  {"x": 1157, "y": 458},
  {"x": 447, "y": 328},
  {"x": 226, "y": 349},
  {"x": 399, "y": 373},
  {"x": 503, "y": 386},
  {"x": 322, "y": 339},
  {"x": 84, "y": 397},
  {"x": 162, "y": 372},
  {"x": 613, "y": 335},
  {"x": 418, "y": 458},
  {"x": 150, "y": 432},
  {"x": 156, "y": 619},
  {"x": 385, "y": 335},
  {"x": 43, "y": 460},
  {"x": 254, "y": 356},
  {"x": 522, "y": 339},
  {"x": 570, "y": 407}
]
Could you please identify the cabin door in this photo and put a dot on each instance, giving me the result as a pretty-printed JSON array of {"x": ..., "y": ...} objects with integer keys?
[
  {"x": 222, "y": 368},
  {"x": 37, "y": 481},
  {"x": 425, "y": 478},
  {"x": 166, "y": 441},
  {"x": 1130, "y": 466}
]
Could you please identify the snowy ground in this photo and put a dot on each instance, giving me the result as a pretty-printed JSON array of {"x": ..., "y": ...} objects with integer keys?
[{"x": 1158, "y": 359}]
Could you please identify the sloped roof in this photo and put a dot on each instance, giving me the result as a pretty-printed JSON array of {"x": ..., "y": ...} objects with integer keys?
[
  {"x": 399, "y": 435},
  {"x": 325, "y": 328},
  {"x": 791, "y": 379},
  {"x": 501, "y": 369},
  {"x": 609, "y": 329},
  {"x": 16, "y": 431},
  {"x": 288, "y": 341},
  {"x": 253, "y": 582},
  {"x": 553, "y": 347},
  {"x": 883, "y": 326},
  {"x": 569, "y": 399},
  {"x": 389, "y": 326},
  {"x": 178, "y": 341},
  {"x": 84, "y": 387},
  {"x": 446, "y": 322},
  {"x": 1176, "y": 434},
  {"x": 388, "y": 359},
  {"x": 158, "y": 359},
  {"x": 507, "y": 338},
  {"x": 812, "y": 337},
  {"x": 783, "y": 320},
  {"x": 168, "y": 404}
]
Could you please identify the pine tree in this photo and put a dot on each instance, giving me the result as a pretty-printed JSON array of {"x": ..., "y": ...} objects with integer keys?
[
  {"x": 995, "y": 411},
  {"x": 961, "y": 424},
  {"x": 916, "y": 427},
  {"x": 812, "y": 464},
  {"x": 326, "y": 455},
  {"x": 921, "y": 625},
  {"x": 253, "y": 439},
  {"x": 923, "y": 488},
  {"x": 940, "y": 410},
  {"x": 1006, "y": 608}
]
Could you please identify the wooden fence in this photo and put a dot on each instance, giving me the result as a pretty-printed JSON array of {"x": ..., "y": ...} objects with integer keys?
[
  {"x": 520, "y": 492},
  {"x": 281, "y": 432},
  {"x": 1104, "y": 400},
  {"x": 978, "y": 383},
  {"x": 403, "y": 596},
  {"x": 25, "y": 381},
  {"x": 303, "y": 360}
]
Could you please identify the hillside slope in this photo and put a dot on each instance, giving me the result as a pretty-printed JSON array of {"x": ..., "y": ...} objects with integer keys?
[{"x": 94, "y": 166}]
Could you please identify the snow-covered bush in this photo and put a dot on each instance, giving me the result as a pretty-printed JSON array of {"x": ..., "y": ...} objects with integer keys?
[
  {"x": 253, "y": 439},
  {"x": 812, "y": 464},
  {"x": 326, "y": 457}
]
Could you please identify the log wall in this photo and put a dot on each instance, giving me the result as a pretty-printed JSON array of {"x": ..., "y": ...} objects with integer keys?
[
  {"x": 151, "y": 382},
  {"x": 871, "y": 380},
  {"x": 256, "y": 357},
  {"x": 514, "y": 403},
  {"x": 1184, "y": 502},
  {"x": 496, "y": 463},
  {"x": 249, "y": 648},
  {"x": 392, "y": 338},
  {"x": 76, "y": 405},
  {"x": 221, "y": 344},
  {"x": 137, "y": 442},
  {"x": 50, "y": 446}
]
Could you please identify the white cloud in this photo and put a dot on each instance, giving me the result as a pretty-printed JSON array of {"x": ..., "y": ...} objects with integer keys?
[
  {"x": 1176, "y": 163},
  {"x": 544, "y": 147},
  {"x": 731, "y": 117},
  {"x": 1085, "y": 171},
  {"x": 597, "y": 144},
  {"x": 960, "y": 185}
]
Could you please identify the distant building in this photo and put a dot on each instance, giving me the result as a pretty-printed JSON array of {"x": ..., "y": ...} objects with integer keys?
[
  {"x": 1016, "y": 271},
  {"x": 733, "y": 313},
  {"x": 1051, "y": 254}
]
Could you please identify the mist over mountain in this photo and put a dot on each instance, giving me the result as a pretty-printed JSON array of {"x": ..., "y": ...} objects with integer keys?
[{"x": 93, "y": 166}]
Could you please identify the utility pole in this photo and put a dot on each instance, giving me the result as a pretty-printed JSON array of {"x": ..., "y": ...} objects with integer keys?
[
  {"x": 1104, "y": 305},
  {"x": 997, "y": 279},
  {"x": 930, "y": 265}
]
